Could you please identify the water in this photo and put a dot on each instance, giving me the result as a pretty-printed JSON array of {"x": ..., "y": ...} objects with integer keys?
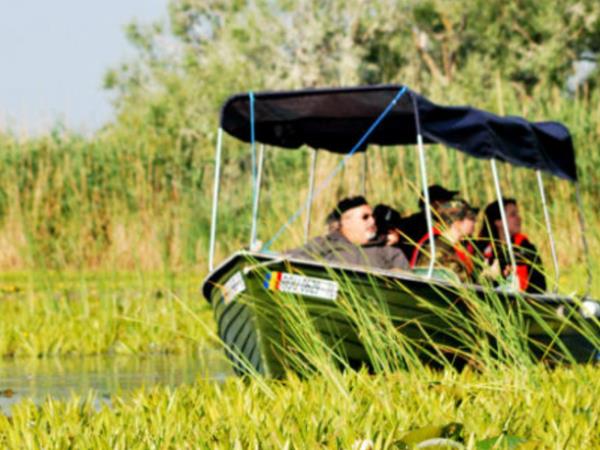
[{"x": 62, "y": 378}]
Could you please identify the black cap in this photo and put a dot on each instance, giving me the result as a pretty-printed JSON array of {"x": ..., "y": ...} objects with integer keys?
[
  {"x": 437, "y": 193},
  {"x": 386, "y": 218},
  {"x": 346, "y": 204}
]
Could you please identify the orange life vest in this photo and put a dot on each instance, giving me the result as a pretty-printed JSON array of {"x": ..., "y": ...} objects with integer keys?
[{"x": 522, "y": 269}]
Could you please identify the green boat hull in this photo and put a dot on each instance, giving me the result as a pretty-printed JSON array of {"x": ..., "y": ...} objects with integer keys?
[{"x": 267, "y": 308}]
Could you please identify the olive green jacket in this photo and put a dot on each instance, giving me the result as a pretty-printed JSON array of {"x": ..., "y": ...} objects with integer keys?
[{"x": 446, "y": 257}]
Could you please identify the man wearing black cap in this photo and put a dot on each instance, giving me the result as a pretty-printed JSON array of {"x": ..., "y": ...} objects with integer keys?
[
  {"x": 353, "y": 240},
  {"x": 414, "y": 227}
]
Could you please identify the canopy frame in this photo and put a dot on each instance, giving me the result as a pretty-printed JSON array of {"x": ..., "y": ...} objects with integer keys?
[
  {"x": 549, "y": 231},
  {"x": 311, "y": 192},
  {"x": 553, "y": 130},
  {"x": 215, "y": 205}
]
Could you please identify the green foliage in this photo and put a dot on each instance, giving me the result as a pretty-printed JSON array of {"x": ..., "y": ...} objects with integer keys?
[
  {"x": 540, "y": 408},
  {"x": 138, "y": 193},
  {"x": 59, "y": 314}
]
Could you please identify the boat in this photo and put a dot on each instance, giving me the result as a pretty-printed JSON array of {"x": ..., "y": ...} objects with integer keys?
[{"x": 273, "y": 310}]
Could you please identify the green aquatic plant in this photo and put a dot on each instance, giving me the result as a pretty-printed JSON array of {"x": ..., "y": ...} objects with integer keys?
[
  {"x": 543, "y": 408},
  {"x": 57, "y": 314}
]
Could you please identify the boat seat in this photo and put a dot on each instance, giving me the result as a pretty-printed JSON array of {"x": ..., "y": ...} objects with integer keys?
[{"x": 441, "y": 273}]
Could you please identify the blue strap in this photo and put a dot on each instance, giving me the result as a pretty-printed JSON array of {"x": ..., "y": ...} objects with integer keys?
[{"x": 341, "y": 164}]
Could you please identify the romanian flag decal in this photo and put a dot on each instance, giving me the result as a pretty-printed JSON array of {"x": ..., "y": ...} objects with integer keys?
[
  {"x": 272, "y": 281},
  {"x": 292, "y": 283}
]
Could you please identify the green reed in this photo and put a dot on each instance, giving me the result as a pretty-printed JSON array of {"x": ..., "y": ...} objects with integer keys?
[
  {"x": 142, "y": 202},
  {"x": 56, "y": 314},
  {"x": 544, "y": 408}
]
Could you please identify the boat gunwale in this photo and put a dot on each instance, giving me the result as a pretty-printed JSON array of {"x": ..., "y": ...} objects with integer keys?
[{"x": 208, "y": 284}]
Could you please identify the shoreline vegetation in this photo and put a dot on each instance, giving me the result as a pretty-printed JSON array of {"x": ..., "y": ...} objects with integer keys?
[{"x": 103, "y": 239}]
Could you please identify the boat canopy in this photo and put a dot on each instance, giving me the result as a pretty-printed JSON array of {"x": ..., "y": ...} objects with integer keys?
[{"x": 334, "y": 119}]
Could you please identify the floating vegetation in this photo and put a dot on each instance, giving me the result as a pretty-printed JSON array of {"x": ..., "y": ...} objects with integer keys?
[
  {"x": 510, "y": 408},
  {"x": 89, "y": 314}
]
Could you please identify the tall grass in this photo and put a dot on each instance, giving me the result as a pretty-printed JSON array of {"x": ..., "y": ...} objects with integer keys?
[
  {"x": 453, "y": 328},
  {"x": 143, "y": 202},
  {"x": 61, "y": 314}
]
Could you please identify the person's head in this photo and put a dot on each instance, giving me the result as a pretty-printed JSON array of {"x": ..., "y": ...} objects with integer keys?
[
  {"x": 387, "y": 220},
  {"x": 356, "y": 221},
  {"x": 458, "y": 217},
  {"x": 332, "y": 221},
  {"x": 492, "y": 225},
  {"x": 437, "y": 195}
]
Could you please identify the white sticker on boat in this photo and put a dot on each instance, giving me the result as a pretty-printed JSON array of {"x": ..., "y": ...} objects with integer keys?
[
  {"x": 299, "y": 284},
  {"x": 233, "y": 287}
]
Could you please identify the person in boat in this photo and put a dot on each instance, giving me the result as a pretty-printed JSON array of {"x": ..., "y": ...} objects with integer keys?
[
  {"x": 413, "y": 227},
  {"x": 353, "y": 240},
  {"x": 455, "y": 223},
  {"x": 332, "y": 221},
  {"x": 492, "y": 246},
  {"x": 388, "y": 221}
]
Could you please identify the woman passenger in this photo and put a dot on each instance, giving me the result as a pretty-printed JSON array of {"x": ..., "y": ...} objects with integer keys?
[{"x": 492, "y": 245}]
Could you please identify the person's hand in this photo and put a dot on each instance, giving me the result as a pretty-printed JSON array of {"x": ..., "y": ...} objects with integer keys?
[
  {"x": 492, "y": 271},
  {"x": 512, "y": 280}
]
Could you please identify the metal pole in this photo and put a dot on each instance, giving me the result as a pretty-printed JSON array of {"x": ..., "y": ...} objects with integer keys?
[
  {"x": 427, "y": 204},
  {"x": 311, "y": 189},
  {"x": 423, "y": 166},
  {"x": 586, "y": 249},
  {"x": 511, "y": 254},
  {"x": 365, "y": 174},
  {"x": 213, "y": 222},
  {"x": 549, "y": 229},
  {"x": 256, "y": 190}
]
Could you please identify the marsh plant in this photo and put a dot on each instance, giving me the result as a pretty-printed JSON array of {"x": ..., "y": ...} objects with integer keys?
[{"x": 104, "y": 238}]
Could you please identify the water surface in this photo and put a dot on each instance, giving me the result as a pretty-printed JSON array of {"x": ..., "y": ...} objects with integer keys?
[{"x": 61, "y": 378}]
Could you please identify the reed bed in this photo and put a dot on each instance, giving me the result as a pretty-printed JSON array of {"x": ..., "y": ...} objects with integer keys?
[
  {"x": 506, "y": 396},
  {"x": 545, "y": 409},
  {"x": 58, "y": 314},
  {"x": 110, "y": 236},
  {"x": 141, "y": 201}
]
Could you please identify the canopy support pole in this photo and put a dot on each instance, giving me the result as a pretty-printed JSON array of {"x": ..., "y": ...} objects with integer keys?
[
  {"x": 341, "y": 164},
  {"x": 215, "y": 202},
  {"x": 423, "y": 166},
  {"x": 549, "y": 229},
  {"x": 253, "y": 232},
  {"x": 511, "y": 253},
  {"x": 364, "y": 174},
  {"x": 311, "y": 190},
  {"x": 586, "y": 249}
]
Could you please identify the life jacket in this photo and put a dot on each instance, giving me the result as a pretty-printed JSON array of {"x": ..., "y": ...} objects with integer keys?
[
  {"x": 463, "y": 256},
  {"x": 522, "y": 269}
]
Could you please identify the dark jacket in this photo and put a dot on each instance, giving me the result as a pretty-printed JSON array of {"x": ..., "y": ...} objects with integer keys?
[
  {"x": 334, "y": 247},
  {"x": 412, "y": 228},
  {"x": 527, "y": 259}
]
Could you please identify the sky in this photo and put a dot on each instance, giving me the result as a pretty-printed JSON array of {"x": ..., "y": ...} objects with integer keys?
[{"x": 54, "y": 55}]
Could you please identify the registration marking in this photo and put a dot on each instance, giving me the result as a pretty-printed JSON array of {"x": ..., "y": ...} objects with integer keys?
[
  {"x": 300, "y": 284},
  {"x": 233, "y": 287}
]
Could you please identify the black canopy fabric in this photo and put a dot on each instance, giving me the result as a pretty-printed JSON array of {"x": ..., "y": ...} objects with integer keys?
[{"x": 336, "y": 119}]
